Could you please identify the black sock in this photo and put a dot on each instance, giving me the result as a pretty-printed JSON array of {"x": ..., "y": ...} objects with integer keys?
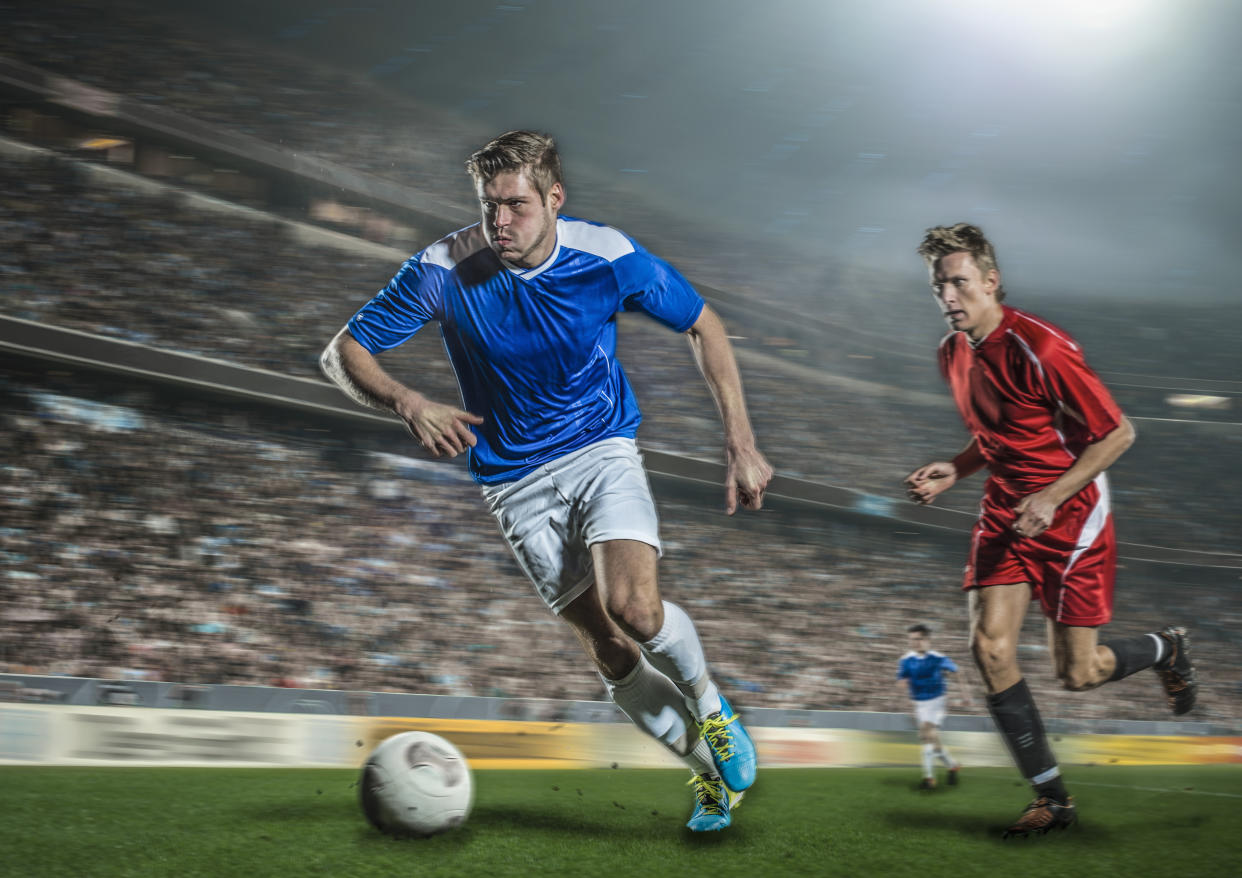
[
  {"x": 1135, "y": 653},
  {"x": 1017, "y": 719}
]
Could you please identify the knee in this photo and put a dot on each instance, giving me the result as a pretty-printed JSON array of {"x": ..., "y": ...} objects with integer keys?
[
  {"x": 1077, "y": 678},
  {"x": 637, "y": 616},
  {"x": 992, "y": 654}
]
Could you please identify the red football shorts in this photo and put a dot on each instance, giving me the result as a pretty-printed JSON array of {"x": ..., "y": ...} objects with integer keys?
[{"x": 1071, "y": 566}]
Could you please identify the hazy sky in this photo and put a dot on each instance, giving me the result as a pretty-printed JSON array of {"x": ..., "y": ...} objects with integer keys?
[{"x": 1097, "y": 141}]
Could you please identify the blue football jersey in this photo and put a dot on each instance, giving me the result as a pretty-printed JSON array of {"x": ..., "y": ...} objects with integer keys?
[
  {"x": 925, "y": 673},
  {"x": 534, "y": 350}
]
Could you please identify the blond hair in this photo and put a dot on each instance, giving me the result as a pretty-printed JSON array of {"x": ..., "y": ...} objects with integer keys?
[
  {"x": 518, "y": 151},
  {"x": 940, "y": 241}
]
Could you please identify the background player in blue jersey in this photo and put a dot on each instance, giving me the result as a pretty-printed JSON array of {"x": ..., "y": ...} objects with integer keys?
[
  {"x": 526, "y": 302},
  {"x": 924, "y": 671}
]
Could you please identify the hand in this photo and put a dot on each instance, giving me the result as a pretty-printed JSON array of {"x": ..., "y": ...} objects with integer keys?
[
  {"x": 747, "y": 474},
  {"x": 440, "y": 429},
  {"x": 1035, "y": 514},
  {"x": 928, "y": 482}
]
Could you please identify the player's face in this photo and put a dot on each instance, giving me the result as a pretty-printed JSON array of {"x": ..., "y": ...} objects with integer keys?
[
  {"x": 919, "y": 642},
  {"x": 967, "y": 296},
  {"x": 519, "y": 225}
]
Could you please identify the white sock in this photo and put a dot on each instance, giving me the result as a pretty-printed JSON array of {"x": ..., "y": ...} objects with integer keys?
[
  {"x": 656, "y": 706},
  {"x": 948, "y": 760},
  {"x": 676, "y": 653},
  {"x": 927, "y": 760},
  {"x": 1162, "y": 647}
]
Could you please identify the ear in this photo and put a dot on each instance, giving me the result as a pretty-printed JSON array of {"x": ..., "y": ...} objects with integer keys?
[
  {"x": 991, "y": 281},
  {"x": 556, "y": 196}
]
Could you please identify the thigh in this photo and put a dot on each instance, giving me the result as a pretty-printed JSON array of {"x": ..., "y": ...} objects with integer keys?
[
  {"x": 535, "y": 519},
  {"x": 612, "y": 494},
  {"x": 625, "y": 572},
  {"x": 997, "y": 611},
  {"x": 996, "y": 552},
  {"x": 930, "y": 711},
  {"x": 1081, "y": 562}
]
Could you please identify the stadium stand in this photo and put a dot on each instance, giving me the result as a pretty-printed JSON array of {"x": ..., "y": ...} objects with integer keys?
[{"x": 290, "y": 550}]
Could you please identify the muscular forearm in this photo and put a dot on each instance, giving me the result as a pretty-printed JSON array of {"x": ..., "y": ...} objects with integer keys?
[
  {"x": 969, "y": 460},
  {"x": 714, "y": 355},
  {"x": 1096, "y": 458},
  {"x": 353, "y": 369}
]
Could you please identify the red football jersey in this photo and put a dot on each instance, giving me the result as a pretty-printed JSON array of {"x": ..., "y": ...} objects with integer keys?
[{"x": 1013, "y": 389}]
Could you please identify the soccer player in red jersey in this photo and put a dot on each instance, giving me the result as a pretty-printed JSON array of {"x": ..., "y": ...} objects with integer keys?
[{"x": 1046, "y": 428}]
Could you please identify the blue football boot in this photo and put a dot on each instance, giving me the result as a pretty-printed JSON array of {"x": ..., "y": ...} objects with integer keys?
[
  {"x": 713, "y": 804},
  {"x": 732, "y": 749}
]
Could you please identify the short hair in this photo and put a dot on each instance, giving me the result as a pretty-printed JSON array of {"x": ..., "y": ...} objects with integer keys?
[
  {"x": 919, "y": 628},
  {"x": 940, "y": 241},
  {"x": 519, "y": 151}
]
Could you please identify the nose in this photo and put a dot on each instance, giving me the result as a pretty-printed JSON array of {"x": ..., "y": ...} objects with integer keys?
[{"x": 502, "y": 216}]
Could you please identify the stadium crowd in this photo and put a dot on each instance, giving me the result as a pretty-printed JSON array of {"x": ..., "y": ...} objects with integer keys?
[
  {"x": 173, "y": 540},
  {"x": 152, "y": 536},
  {"x": 223, "y": 77},
  {"x": 89, "y": 254}
]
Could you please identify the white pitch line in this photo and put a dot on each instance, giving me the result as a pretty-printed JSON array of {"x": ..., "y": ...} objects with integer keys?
[{"x": 1122, "y": 786}]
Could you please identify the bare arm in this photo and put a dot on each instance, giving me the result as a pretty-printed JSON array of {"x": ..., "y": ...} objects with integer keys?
[
  {"x": 1036, "y": 511},
  {"x": 441, "y": 429},
  {"x": 930, "y": 480},
  {"x": 748, "y": 472}
]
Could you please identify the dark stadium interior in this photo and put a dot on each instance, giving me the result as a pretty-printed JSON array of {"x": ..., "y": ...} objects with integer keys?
[{"x": 235, "y": 186}]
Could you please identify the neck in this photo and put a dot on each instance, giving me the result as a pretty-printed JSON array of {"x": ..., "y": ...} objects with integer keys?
[{"x": 985, "y": 326}]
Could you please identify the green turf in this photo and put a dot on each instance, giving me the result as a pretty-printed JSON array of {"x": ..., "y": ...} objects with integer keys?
[{"x": 1173, "y": 822}]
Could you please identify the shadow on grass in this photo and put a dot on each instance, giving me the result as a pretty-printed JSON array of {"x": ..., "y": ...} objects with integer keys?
[
  {"x": 580, "y": 822},
  {"x": 976, "y": 825}
]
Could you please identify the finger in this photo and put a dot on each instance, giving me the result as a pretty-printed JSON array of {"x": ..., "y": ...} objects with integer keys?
[
  {"x": 437, "y": 447},
  {"x": 469, "y": 417},
  {"x": 467, "y": 435},
  {"x": 730, "y": 498}
]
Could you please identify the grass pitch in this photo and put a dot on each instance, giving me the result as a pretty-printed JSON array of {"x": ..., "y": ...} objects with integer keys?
[{"x": 1171, "y": 822}]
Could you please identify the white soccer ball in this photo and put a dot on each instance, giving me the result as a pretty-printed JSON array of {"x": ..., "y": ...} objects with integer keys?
[{"x": 416, "y": 783}]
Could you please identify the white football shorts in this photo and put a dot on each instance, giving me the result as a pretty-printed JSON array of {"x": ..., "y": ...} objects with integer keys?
[
  {"x": 931, "y": 710},
  {"x": 551, "y": 517}
]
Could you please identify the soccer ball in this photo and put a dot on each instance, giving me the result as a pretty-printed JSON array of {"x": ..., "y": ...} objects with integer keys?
[{"x": 416, "y": 783}]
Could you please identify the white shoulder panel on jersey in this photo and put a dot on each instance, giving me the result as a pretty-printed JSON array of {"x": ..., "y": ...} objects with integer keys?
[
  {"x": 1048, "y": 329},
  {"x": 602, "y": 241},
  {"x": 450, "y": 251}
]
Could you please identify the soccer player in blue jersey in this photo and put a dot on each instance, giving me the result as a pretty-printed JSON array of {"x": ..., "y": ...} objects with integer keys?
[
  {"x": 924, "y": 670},
  {"x": 526, "y": 301}
]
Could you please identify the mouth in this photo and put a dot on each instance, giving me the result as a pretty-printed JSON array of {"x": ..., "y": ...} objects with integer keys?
[{"x": 955, "y": 314}]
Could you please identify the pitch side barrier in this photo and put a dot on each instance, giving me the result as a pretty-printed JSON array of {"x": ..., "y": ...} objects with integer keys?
[
  {"x": 39, "y": 342},
  {"x": 75, "y": 721}
]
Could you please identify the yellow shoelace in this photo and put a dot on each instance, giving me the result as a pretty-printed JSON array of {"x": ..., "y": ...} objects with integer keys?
[
  {"x": 708, "y": 793},
  {"x": 719, "y": 736}
]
